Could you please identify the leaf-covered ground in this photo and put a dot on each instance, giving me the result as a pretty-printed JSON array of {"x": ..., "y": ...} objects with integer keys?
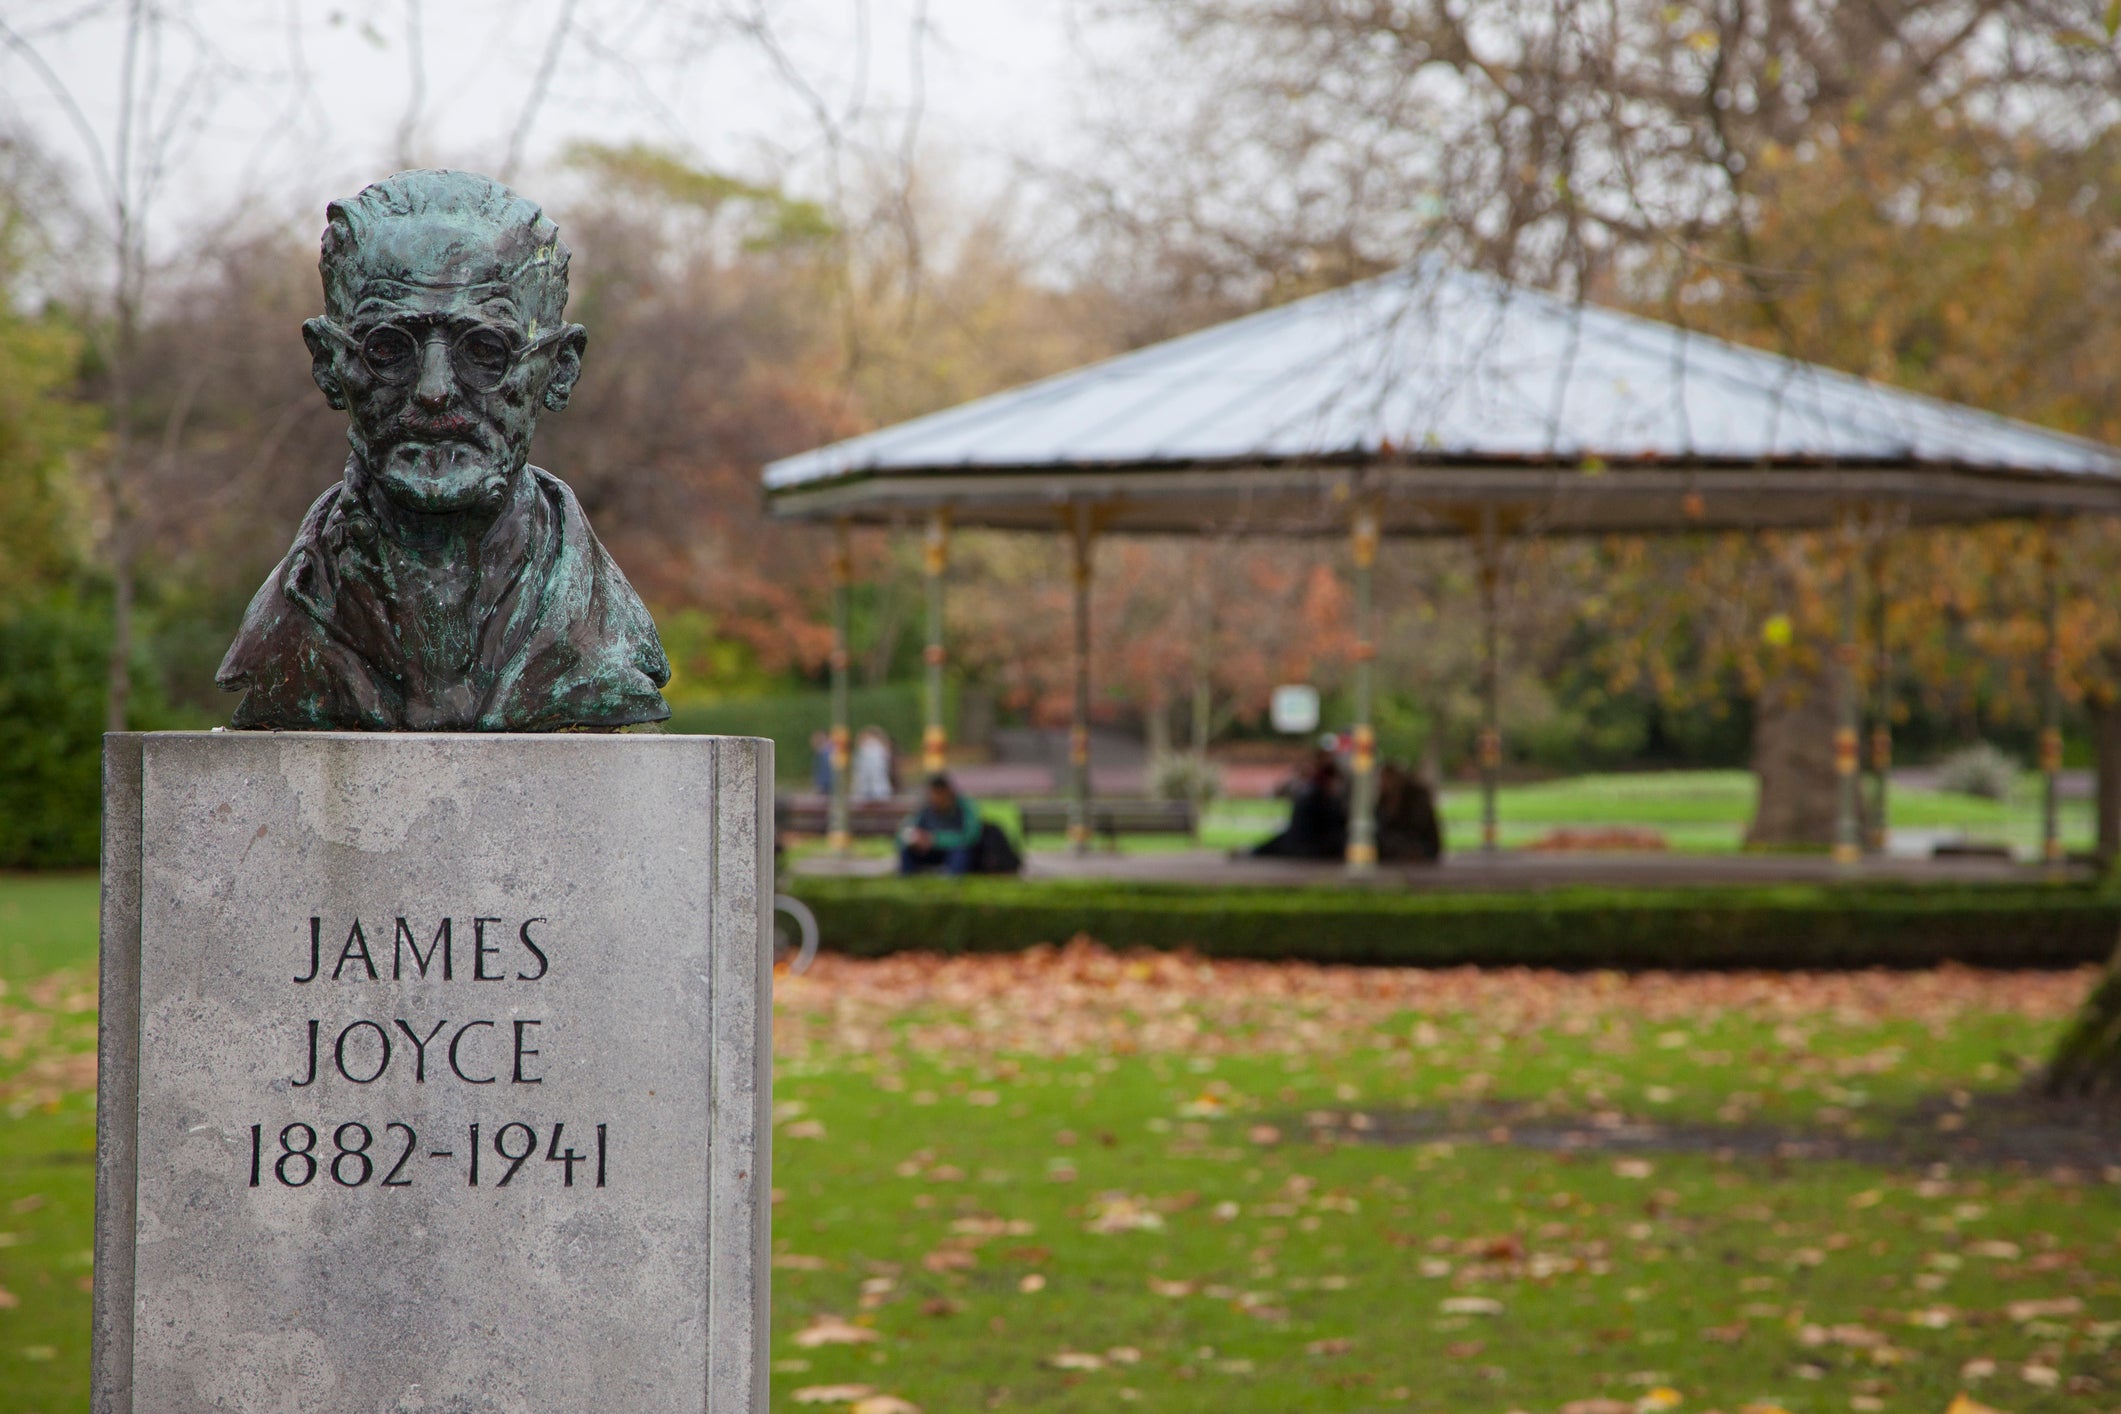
[
  {"x": 1074, "y": 1181},
  {"x": 1071, "y": 1181},
  {"x": 47, "y": 1188}
]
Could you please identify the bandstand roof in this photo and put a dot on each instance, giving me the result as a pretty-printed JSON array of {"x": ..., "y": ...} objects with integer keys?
[{"x": 1432, "y": 393}]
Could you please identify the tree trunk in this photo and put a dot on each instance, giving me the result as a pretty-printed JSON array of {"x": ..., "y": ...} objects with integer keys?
[
  {"x": 1202, "y": 697},
  {"x": 1156, "y": 729},
  {"x": 1202, "y": 711},
  {"x": 2106, "y": 737},
  {"x": 1793, "y": 761},
  {"x": 887, "y": 624},
  {"x": 1203, "y": 705},
  {"x": 975, "y": 715},
  {"x": 2087, "y": 1065},
  {"x": 119, "y": 691}
]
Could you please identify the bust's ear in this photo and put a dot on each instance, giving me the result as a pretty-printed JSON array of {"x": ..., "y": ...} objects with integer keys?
[
  {"x": 323, "y": 363},
  {"x": 566, "y": 367}
]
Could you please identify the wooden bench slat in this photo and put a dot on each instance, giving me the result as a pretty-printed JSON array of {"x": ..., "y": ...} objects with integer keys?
[
  {"x": 880, "y": 819},
  {"x": 1113, "y": 817},
  {"x": 866, "y": 819}
]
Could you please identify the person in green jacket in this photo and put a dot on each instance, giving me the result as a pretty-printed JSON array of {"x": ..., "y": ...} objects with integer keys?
[{"x": 943, "y": 834}]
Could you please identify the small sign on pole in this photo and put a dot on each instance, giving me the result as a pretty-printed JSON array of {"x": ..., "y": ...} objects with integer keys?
[{"x": 1294, "y": 708}]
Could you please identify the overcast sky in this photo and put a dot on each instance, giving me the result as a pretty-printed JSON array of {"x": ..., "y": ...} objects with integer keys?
[{"x": 288, "y": 103}]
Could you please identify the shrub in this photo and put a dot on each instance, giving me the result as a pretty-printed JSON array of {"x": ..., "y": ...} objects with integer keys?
[
  {"x": 1830, "y": 926},
  {"x": 54, "y": 662},
  {"x": 1983, "y": 769},
  {"x": 1180, "y": 775},
  {"x": 51, "y": 733}
]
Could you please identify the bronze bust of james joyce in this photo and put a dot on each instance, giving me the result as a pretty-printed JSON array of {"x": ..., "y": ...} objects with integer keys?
[{"x": 445, "y": 584}]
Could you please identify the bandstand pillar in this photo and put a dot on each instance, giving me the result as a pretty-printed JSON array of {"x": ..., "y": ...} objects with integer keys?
[
  {"x": 2050, "y": 699},
  {"x": 1081, "y": 535},
  {"x": 935, "y": 563},
  {"x": 1490, "y": 749},
  {"x": 838, "y": 826},
  {"x": 1848, "y": 833},
  {"x": 1362, "y": 805},
  {"x": 1881, "y": 700}
]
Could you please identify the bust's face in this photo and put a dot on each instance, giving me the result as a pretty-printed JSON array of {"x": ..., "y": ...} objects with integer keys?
[{"x": 442, "y": 367}]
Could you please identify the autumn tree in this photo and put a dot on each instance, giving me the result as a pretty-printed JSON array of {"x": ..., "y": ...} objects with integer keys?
[
  {"x": 51, "y": 638},
  {"x": 1181, "y": 629}
]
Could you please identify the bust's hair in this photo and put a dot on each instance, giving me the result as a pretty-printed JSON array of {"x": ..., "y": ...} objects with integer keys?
[{"x": 530, "y": 252}]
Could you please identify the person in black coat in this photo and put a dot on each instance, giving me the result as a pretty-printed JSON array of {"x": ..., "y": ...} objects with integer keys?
[{"x": 1318, "y": 814}]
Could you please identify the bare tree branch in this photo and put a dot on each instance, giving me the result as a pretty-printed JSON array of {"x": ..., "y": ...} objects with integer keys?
[
  {"x": 416, "y": 98},
  {"x": 540, "y": 85}
]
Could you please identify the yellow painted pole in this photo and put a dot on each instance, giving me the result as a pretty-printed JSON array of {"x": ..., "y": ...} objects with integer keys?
[
  {"x": 935, "y": 562},
  {"x": 839, "y": 835},
  {"x": 1362, "y": 805},
  {"x": 1848, "y": 835}
]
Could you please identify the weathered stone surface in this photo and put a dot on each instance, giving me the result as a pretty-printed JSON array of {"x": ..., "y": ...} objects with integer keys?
[{"x": 606, "y": 964}]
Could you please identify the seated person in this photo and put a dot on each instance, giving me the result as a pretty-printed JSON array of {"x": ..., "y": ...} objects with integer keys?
[
  {"x": 1407, "y": 825},
  {"x": 821, "y": 768},
  {"x": 947, "y": 833},
  {"x": 1318, "y": 815},
  {"x": 873, "y": 777}
]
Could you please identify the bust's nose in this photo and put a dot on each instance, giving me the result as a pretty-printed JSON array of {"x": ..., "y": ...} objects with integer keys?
[{"x": 438, "y": 381}]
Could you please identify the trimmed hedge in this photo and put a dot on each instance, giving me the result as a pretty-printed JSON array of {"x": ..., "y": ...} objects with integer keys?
[
  {"x": 53, "y": 660},
  {"x": 1793, "y": 926}
]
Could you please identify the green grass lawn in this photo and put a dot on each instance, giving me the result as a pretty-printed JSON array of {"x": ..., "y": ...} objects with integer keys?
[
  {"x": 1708, "y": 811},
  {"x": 47, "y": 1138},
  {"x": 1088, "y": 1192},
  {"x": 1066, "y": 1181}
]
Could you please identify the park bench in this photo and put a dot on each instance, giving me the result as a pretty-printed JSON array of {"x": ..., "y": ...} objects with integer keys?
[
  {"x": 1109, "y": 819},
  {"x": 866, "y": 819}
]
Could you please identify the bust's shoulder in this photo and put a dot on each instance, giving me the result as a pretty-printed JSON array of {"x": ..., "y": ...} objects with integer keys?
[{"x": 550, "y": 485}]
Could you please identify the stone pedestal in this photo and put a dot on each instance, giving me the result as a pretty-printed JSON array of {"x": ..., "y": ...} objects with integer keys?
[{"x": 434, "y": 1074}]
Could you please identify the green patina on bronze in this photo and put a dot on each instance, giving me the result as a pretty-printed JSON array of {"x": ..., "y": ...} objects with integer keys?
[{"x": 445, "y": 584}]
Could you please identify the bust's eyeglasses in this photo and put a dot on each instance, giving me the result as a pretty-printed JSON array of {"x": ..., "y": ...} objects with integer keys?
[{"x": 481, "y": 356}]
